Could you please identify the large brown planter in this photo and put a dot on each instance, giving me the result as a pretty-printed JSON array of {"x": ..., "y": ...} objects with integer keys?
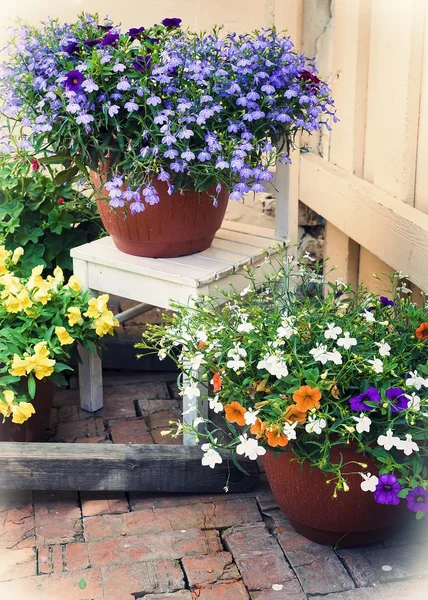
[
  {"x": 179, "y": 224},
  {"x": 33, "y": 429},
  {"x": 351, "y": 519}
]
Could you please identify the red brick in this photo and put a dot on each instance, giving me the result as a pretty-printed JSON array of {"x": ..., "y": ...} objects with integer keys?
[
  {"x": 204, "y": 570},
  {"x": 203, "y": 516},
  {"x": 166, "y": 440},
  {"x": 66, "y": 397},
  {"x": 130, "y": 431},
  {"x": 143, "y": 578},
  {"x": 151, "y": 316},
  {"x": 60, "y": 586},
  {"x": 162, "y": 418},
  {"x": 148, "y": 406},
  {"x": 166, "y": 545},
  {"x": 258, "y": 556},
  {"x": 119, "y": 403},
  {"x": 56, "y": 559},
  {"x": 57, "y": 518},
  {"x": 414, "y": 589},
  {"x": 103, "y": 503},
  {"x": 181, "y": 595},
  {"x": 222, "y": 591},
  {"x": 17, "y": 563},
  {"x": 141, "y": 500},
  {"x": 74, "y": 431},
  {"x": 289, "y": 591},
  {"x": 17, "y": 523},
  {"x": 71, "y": 412}
]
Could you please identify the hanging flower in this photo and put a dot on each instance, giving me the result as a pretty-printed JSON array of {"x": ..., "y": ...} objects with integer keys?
[
  {"x": 398, "y": 399},
  {"x": 290, "y": 431},
  {"x": 250, "y": 416},
  {"x": 417, "y": 500},
  {"x": 387, "y": 489},
  {"x": 315, "y": 424},
  {"x": 358, "y": 403},
  {"x": 211, "y": 457},
  {"x": 388, "y": 441},
  {"x": 346, "y": 341},
  {"x": 307, "y": 398},
  {"x": 363, "y": 423},
  {"x": 384, "y": 348},
  {"x": 73, "y": 80},
  {"x": 369, "y": 482},
  {"x": 386, "y": 301},
  {"x": 258, "y": 428},
  {"x": 249, "y": 447},
  {"x": 172, "y": 22},
  {"x": 332, "y": 331},
  {"x": 215, "y": 404},
  {"x": 415, "y": 380},
  {"x": 235, "y": 413},
  {"x": 422, "y": 331},
  {"x": 408, "y": 446},
  {"x": 275, "y": 436},
  {"x": 216, "y": 382},
  {"x": 293, "y": 414}
]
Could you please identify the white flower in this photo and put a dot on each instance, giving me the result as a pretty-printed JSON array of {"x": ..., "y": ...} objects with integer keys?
[
  {"x": 415, "y": 401},
  {"x": 404, "y": 289},
  {"x": 377, "y": 365},
  {"x": 388, "y": 441},
  {"x": 237, "y": 350},
  {"x": 235, "y": 363},
  {"x": 307, "y": 256},
  {"x": 346, "y": 342},
  {"x": 290, "y": 430},
  {"x": 339, "y": 282},
  {"x": 197, "y": 361},
  {"x": 249, "y": 447},
  {"x": 363, "y": 423},
  {"x": 368, "y": 316},
  {"x": 320, "y": 353},
  {"x": 274, "y": 365},
  {"x": 384, "y": 348},
  {"x": 201, "y": 335},
  {"x": 335, "y": 357},
  {"x": 287, "y": 329},
  {"x": 315, "y": 424},
  {"x": 370, "y": 482},
  {"x": 211, "y": 457},
  {"x": 191, "y": 391},
  {"x": 162, "y": 354},
  {"x": 415, "y": 380},
  {"x": 407, "y": 445},
  {"x": 245, "y": 327},
  {"x": 246, "y": 290},
  {"x": 198, "y": 421},
  {"x": 215, "y": 404},
  {"x": 332, "y": 331},
  {"x": 250, "y": 416}
]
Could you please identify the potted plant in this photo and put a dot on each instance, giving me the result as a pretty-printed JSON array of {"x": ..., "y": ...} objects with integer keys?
[
  {"x": 44, "y": 218},
  {"x": 167, "y": 124},
  {"x": 327, "y": 383},
  {"x": 41, "y": 321}
]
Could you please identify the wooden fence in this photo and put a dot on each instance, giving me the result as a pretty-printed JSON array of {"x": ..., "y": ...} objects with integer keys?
[{"x": 369, "y": 176}]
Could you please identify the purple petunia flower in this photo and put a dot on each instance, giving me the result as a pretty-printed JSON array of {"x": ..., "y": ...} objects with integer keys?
[
  {"x": 73, "y": 80},
  {"x": 105, "y": 27},
  {"x": 386, "y": 301},
  {"x": 357, "y": 402},
  {"x": 399, "y": 400},
  {"x": 71, "y": 48},
  {"x": 142, "y": 63},
  {"x": 417, "y": 499},
  {"x": 135, "y": 32},
  {"x": 110, "y": 39},
  {"x": 171, "y": 22},
  {"x": 92, "y": 43},
  {"x": 387, "y": 490}
]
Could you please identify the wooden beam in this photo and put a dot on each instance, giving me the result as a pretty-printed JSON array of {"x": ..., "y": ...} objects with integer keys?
[
  {"x": 118, "y": 467},
  {"x": 392, "y": 230}
]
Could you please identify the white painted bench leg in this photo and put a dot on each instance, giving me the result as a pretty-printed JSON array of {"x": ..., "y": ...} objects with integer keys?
[
  {"x": 90, "y": 369},
  {"x": 193, "y": 408}
]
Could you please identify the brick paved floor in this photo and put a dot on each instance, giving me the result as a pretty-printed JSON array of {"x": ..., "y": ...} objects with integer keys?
[{"x": 124, "y": 546}]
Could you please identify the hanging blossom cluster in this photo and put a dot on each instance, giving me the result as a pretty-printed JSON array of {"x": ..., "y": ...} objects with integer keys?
[
  {"x": 293, "y": 366},
  {"x": 161, "y": 108}
]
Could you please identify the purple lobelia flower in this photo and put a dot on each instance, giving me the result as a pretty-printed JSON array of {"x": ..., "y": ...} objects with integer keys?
[
  {"x": 417, "y": 499},
  {"x": 171, "y": 22},
  {"x": 73, "y": 80},
  {"x": 386, "y": 301},
  {"x": 110, "y": 39},
  {"x": 387, "y": 490},
  {"x": 135, "y": 32},
  {"x": 142, "y": 63},
  {"x": 399, "y": 400},
  {"x": 358, "y": 402}
]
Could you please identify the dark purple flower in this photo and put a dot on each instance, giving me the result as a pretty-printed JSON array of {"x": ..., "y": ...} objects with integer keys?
[
  {"x": 398, "y": 399},
  {"x": 308, "y": 76},
  {"x": 152, "y": 40},
  {"x": 71, "y": 48},
  {"x": 110, "y": 39},
  {"x": 357, "y": 402},
  {"x": 386, "y": 301},
  {"x": 387, "y": 489},
  {"x": 172, "y": 22},
  {"x": 417, "y": 499},
  {"x": 73, "y": 81},
  {"x": 339, "y": 293},
  {"x": 135, "y": 32},
  {"x": 91, "y": 43},
  {"x": 105, "y": 27},
  {"x": 142, "y": 63}
]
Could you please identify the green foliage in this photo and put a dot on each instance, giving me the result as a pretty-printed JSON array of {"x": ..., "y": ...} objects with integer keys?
[{"x": 44, "y": 217}]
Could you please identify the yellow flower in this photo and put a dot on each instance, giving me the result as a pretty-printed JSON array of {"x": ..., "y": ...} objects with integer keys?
[
  {"x": 18, "y": 366},
  {"x": 6, "y": 404},
  {"x": 22, "y": 411},
  {"x": 17, "y": 253},
  {"x": 14, "y": 304},
  {"x": 39, "y": 362},
  {"x": 4, "y": 255},
  {"x": 74, "y": 316},
  {"x": 63, "y": 336},
  {"x": 11, "y": 284},
  {"x": 36, "y": 278},
  {"x": 42, "y": 295},
  {"x": 97, "y": 306},
  {"x": 74, "y": 283},
  {"x": 105, "y": 324},
  {"x": 59, "y": 275},
  {"x": 41, "y": 349}
]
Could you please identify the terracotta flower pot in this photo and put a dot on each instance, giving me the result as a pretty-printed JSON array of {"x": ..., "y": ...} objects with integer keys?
[
  {"x": 179, "y": 224},
  {"x": 33, "y": 429},
  {"x": 351, "y": 519}
]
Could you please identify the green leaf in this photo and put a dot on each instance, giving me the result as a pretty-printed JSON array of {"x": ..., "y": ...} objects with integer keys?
[
  {"x": 8, "y": 379},
  {"x": 59, "y": 367},
  {"x": 31, "y": 386},
  {"x": 65, "y": 176},
  {"x": 403, "y": 493},
  {"x": 420, "y": 515},
  {"x": 58, "y": 159},
  {"x": 82, "y": 584}
]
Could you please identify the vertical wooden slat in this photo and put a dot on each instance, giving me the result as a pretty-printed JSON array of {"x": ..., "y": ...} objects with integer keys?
[
  {"x": 421, "y": 188},
  {"x": 393, "y": 96},
  {"x": 351, "y": 32}
]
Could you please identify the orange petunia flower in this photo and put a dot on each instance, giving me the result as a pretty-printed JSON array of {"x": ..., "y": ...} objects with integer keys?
[
  {"x": 258, "y": 428},
  {"x": 307, "y": 398},
  {"x": 422, "y": 331},
  {"x": 235, "y": 413},
  {"x": 216, "y": 381},
  {"x": 275, "y": 437},
  {"x": 292, "y": 414}
]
